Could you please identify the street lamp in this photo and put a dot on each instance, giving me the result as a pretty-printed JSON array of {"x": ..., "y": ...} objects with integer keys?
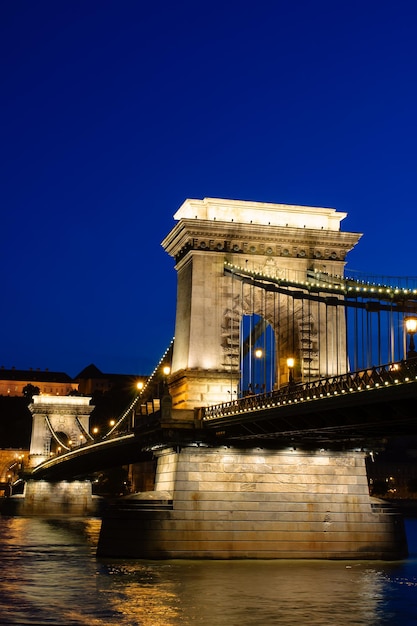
[
  {"x": 411, "y": 328},
  {"x": 166, "y": 370},
  {"x": 258, "y": 355},
  {"x": 290, "y": 365},
  {"x": 139, "y": 386}
]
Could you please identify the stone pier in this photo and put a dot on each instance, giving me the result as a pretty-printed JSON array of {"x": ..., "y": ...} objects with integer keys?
[
  {"x": 42, "y": 498},
  {"x": 228, "y": 503}
]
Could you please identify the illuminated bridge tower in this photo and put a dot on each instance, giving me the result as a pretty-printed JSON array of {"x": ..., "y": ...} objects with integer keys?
[
  {"x": 59, "y": 423},
  {"x": 284, "y": 241}
]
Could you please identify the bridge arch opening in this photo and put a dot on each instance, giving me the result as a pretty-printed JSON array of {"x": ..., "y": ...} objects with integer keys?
[
  {"x": 60, "y": 442},
  {"x": 282, "y": 326},
  {"x": 257, "y": 356}
]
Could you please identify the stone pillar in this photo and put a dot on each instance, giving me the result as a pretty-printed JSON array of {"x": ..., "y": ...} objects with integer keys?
[
  {"x": 257, "y": 504},
  {"x": 42, "y": 498}
]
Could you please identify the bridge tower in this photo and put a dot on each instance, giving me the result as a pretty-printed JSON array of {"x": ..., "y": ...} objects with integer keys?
[
  {"x": 285, "y": 241},
  {"x": 58, "y": 424}
]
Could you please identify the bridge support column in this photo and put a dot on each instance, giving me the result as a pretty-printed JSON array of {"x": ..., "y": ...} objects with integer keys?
[
  {"x": 228, "y": 503},
  {"x": 55, "y": 499}
]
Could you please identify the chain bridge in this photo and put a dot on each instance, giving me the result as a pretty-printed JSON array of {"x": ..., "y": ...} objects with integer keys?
[{"x": 284, "y": 373}]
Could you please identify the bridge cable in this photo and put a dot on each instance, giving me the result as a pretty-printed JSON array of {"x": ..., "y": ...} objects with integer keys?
[
  {"x": 139, "y": 397},
  {"x": 54, "y": 435},
  {"x": 83, "y": 430}
]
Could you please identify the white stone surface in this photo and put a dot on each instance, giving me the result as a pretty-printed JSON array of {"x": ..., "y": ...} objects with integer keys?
[{"x": 264, "y": 213}]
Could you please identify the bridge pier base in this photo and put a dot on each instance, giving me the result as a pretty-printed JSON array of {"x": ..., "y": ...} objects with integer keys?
[
  {"x": 42, "y": 498},
  {"x": 225, "y": 503}
]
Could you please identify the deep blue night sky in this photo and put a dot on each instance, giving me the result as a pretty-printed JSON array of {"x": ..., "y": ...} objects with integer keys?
[{"x": 113, "y": 112}]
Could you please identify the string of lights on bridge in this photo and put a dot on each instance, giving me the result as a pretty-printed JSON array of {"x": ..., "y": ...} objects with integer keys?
[
  {"x": 142, "y": 387},
  {"x": 367, "y": 380},
  {"x": 333, "y": 283}
]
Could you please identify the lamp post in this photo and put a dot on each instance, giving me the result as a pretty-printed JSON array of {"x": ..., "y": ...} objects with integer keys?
[
  {"x": 258, "y": 356},
  {"x": 139, "y": 386},
  {"x": 166, "y": 370},
  {"x": 166, "y": 400},
  {"x": 411, "y": 328},
  {"x": 290, "y": 365}
]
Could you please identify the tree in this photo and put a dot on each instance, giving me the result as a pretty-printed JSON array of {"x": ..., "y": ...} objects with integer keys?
[{"x": 30, "y": 390}]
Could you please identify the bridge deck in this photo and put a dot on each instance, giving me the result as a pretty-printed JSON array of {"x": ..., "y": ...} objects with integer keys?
[
  {"x": 373, "y": 403},
  {"x": 356, "y": 410}
]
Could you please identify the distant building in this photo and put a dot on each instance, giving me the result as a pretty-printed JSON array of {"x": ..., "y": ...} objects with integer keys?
[
  {"x": 14, "y": 381},
  {"x": 91, "y": 380}
]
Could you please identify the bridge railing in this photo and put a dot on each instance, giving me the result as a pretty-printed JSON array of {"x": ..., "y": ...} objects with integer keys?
[{"x": 370, "y": 378}]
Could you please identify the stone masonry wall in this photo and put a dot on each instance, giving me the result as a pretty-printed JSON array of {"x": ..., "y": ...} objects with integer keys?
[
  {"x": 61, "y": 498},
  {"x": 230, "y": 503}
]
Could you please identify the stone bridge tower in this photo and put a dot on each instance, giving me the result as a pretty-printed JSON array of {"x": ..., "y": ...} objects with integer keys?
[
  {"x": 283, "y": 239},
  {"x": 58, "y": 424}
]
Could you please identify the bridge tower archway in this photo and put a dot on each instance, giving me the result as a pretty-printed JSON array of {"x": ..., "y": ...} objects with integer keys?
[
  {"x": 257, "y": 356},
  {"x": 283, "y": 240},
  {"x": 59, "y": 423}
]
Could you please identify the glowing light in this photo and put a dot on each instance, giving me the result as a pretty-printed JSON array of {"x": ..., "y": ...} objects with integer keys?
[{"x": 410, "y": 324}]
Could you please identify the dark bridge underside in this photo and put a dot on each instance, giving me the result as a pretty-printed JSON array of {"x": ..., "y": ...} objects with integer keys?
[
  {"x": 89, "y": 459},
  {"x": 129, "y": 448},
  {"x": 362, "y": 419}
]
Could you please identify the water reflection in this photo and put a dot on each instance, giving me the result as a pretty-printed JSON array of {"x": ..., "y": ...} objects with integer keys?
[
  {"x": 243, "y": 592},
  {"x": 49, "y": 575}
]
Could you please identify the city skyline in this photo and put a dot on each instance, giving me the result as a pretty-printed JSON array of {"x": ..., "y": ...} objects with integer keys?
[{"x": 116, "y": 113}]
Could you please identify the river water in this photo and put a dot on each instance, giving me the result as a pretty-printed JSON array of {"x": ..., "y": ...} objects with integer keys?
[{"x": 49, "y": 575}]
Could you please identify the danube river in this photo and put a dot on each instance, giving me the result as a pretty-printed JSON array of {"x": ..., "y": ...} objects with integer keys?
[{"x": 49, "y": 575}]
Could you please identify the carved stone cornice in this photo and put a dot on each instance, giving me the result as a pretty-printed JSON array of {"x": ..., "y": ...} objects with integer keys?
[
  {"x": 61, "y": 411},
  {"x": 254, "y": 239}
]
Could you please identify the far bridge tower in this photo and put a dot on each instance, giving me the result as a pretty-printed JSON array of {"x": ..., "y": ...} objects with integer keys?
[{"x": 59, "y": 423}]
